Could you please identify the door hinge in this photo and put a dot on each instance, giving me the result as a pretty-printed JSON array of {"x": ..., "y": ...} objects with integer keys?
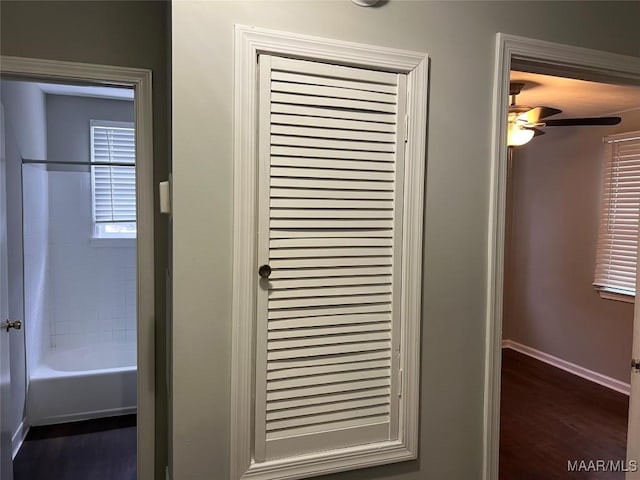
[
  {"x": 635, "y": 365},
  {"x": 400, "y": 383},
  {"x": 406, "y": 128}
]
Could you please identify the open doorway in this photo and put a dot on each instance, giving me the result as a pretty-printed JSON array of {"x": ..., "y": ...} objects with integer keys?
[
  {"x": 79, "y": 234},
  {"x": 529, "y": 55},
  {"x": 70, "y": 154},
  {"x": 567, "y": 343}
]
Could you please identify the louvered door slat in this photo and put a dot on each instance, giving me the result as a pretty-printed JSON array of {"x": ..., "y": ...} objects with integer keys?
[
  {"x": 311, "y": 423},
  {"x": 326, "y": 379},
  {"x": 318, "y": 390},
  {"x": 277, "y": 303},
  {"x": 330, "y": 173},
  {"x": 316, "y": 370},
  {"x": 329, "y": 310},
  {"x": 330, "y": 205},
  {"x": 332, "y": 133},
  {"x": 316, "y": 101},
  {"x": 330, "y": 291},
  {"x": 326, "y": 112},
  {"x": 315, "y": 351},
  {"x": 326, "y": 331},
  {"x": 333, "y": 123},
  {"x": 332, "y": 164},
  {"x": 332, "y": 223},
  {"x": 331, "y": 407},
  {"x": 332, "y": 194},
  {"x": 298, "y": 343},
  {"x": 328, "y": 241},
  {"x": 331, "y": 213},
  {"x": 283, "y": 408},
  {"x": 340, "y": 165},
  {"x": 332, "y": 184},
  {"x": 333, "y": 144},
  {"x": 345, "y": 359},
  {"x": 347, "y": 93},
  {"x": 325, "y": 70},
  {"x": 334, "y": 320},
  {"x": 297, "y": 263},
  {"x": 325, "y": 152},
  {"x": 324, "y": 233},
  {"x": 332, "y": 82}
]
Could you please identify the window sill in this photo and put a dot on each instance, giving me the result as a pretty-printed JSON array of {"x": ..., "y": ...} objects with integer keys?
[
  {"x": 113, "y": 242},
  {"x": 618, "y": 297}
]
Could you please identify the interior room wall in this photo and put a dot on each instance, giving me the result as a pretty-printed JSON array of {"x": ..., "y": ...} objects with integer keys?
[
  {"x": 550, "y": 302},
  {"x": 26, "y": 137},
  {"x": 130, "y": 34},
  {"x": 460, "y": 39},
  {"x": 93, "y": 290}
]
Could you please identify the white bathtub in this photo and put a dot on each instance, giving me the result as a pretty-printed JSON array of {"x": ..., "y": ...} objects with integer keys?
[{"x": 82, "y": 383}]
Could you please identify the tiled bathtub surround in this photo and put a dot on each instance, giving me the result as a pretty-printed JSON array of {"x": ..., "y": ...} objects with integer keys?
[{"x": 93, "y": 292}]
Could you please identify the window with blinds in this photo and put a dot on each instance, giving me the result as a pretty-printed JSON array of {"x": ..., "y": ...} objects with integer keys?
[
  {"x": 113, "y": 179},
  {"x": 616, "y": 255}
]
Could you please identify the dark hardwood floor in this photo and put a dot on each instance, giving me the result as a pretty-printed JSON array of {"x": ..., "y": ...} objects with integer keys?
[
  {"x": 102, "y": 449},
  {"x": 550, "y": 417}
]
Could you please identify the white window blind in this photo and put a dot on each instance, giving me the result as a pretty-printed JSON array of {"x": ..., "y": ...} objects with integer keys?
[
  {"x": 330, "y": 227},
  {"x": 618, "y": 235},
  {"x": 113, "y": 186}
]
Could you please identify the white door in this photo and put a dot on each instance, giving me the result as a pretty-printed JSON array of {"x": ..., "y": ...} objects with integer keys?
[
  {"x": 330, "y": 227},
  {"x": 6, "y": 467},
  {"x": 633, "y": 432}
]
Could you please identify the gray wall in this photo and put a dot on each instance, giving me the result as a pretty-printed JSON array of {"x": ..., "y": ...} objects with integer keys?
[
  {"x": 550, "y": 302},
  {"x": 68, "y": 137},
  {"x": 26, "y": 137},
  {"x": 126, "y": 33},
  {"x": 460, "y": 38}
]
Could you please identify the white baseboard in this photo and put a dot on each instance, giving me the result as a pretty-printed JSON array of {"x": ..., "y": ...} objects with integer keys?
[
  {"x": 595, "y": 377},
  {"x": 18, "y": 437},
  {"x": 77, "y": 417}
]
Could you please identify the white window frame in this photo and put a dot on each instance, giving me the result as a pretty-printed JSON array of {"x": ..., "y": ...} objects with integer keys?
[
  {"x": 99, "y": 236},
  {"x": 249, "y": 43},
  {"x": 605, "y": 290}
]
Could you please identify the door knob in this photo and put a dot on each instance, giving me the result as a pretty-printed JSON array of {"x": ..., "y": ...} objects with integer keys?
[
  {"x": 16, "y": 324},
  {"x": 264, "y": 271}
]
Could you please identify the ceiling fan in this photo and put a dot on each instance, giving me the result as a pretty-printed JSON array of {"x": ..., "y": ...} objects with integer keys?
[{"x": 525, "y": 122}]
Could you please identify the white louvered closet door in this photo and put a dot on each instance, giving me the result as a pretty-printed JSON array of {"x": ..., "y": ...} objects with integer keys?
[{"x": 331, "y": 148}]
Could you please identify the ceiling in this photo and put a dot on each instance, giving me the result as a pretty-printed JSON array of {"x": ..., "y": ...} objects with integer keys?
[
  {"x": 87, "y": 91},
  {"x": 576, "y": 98}
]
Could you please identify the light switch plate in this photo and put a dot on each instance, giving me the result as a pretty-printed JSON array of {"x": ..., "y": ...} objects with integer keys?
[{"x": 165, "y": 197}]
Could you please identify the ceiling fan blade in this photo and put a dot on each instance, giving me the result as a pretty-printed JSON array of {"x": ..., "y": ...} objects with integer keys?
[
  {"x": 535, "y": 114},
  {"x": 537, "y": 132},
  {"x": 582, "y": 122}
]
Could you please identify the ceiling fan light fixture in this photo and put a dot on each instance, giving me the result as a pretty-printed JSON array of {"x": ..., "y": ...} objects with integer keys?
[{"x": 516, "y": 135}]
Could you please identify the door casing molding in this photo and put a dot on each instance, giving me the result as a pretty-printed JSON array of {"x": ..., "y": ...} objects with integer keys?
[
  {"x": 549, "y": 58},
  {"x": 140, "y": 81},
  {"x": 249, "y": 43}
]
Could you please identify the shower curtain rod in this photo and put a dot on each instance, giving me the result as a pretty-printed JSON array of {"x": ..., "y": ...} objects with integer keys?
[{"x": 95, "y": 164}]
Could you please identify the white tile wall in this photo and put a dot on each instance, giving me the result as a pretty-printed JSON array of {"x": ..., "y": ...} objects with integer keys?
[
  {"x": 36, "y": 261},
  {"x": 93, "y": 294}
]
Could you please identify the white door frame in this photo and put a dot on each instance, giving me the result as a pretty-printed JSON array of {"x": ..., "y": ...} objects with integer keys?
[
  {"x": 140, "y": 81},
  {"x": 548, "y": 58}
]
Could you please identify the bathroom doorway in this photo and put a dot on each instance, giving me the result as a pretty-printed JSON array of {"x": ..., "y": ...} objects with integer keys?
[{"x": 79, "y": 233}]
